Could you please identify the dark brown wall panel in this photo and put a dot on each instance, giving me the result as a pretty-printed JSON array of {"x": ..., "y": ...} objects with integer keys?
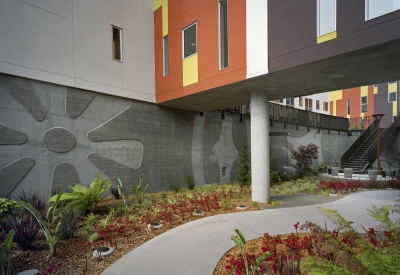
[
  {"x": 291, "y": 26},
  {"x": 292, "y": 32},
  {"x": 382, "y": 105}
]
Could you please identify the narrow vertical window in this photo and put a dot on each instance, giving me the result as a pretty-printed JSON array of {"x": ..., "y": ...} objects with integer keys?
[
  {"x": 364, "y": 104},
  {"x": 190, "y": 40},
  {"x": 326, "y": 12},
  {"x": 325, "y": 106},
  {"x": 317, "y": 104},
  {"x": 165, "y": 55},
  {"x": 117, "y": 43},
  {"x": 348, "y": 106},
  {"x": 301, "y": 101},
  {"x": 223, "y": 33},
  {"x": 309, "y": 104}
]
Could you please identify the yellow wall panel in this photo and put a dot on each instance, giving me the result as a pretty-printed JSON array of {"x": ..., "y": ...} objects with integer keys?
[
  {"x": 394, "y": 108},
  {"x": 326, "y": 37},
  {"x": 375, "y": 90},
  {"x": 190, "y": 70},
  {"x": 392, "y": 87},
  {"x": 335, "y": 95},
  {"x": 164, "y": 4},
  {"x": 364, "y": 91}
]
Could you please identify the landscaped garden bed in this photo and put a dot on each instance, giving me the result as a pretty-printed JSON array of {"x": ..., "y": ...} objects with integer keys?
[
  {"x": 126, "y": 222},
  {"x": 319, "y": 250},
  {"x": 123, "y": 224}
]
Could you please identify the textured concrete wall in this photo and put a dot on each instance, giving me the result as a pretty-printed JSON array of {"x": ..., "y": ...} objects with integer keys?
[{"x": 53, "y": 136}]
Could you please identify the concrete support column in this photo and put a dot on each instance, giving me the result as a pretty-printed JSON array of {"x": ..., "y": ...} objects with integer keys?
[{"x": 260, "y": 179}]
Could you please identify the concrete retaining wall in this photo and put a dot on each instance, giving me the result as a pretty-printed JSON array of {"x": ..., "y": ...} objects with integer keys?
[{"x": 53, "y": 136}]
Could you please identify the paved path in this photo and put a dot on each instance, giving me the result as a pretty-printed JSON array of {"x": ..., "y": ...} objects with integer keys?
[{"x": 196, "y": 247}]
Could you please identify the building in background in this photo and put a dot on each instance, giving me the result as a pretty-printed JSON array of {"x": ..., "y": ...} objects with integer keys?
[
  {"x": 360, "y": 103},
  {"x": 318, "y": 103}
]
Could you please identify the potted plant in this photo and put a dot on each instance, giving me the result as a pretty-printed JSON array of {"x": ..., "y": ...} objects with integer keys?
[
  {"x": 348, "y": 173},
  {"x": 372, "y": 174},
  {"x": 335, "y": 171}
]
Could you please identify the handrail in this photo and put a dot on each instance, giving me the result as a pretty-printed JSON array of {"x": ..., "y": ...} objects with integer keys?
[
  {"x": 355, "y": 152},
  {"x": 386, "y": 138},
  {"x": 288, "y": 114},
  {"x": 352, "y": 149},
  {"x": 373, "y": 143}
]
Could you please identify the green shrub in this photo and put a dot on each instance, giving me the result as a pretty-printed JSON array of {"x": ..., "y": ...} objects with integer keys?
[
  {"x": 47, "y": 225},
  {"x": 5, "y": 254},
  {"x": 89, "y": 223},
  {"x": 274, "y": 176},
  {"x": 191, "y": 183},
  {"x": 69, "y": 221},
  {"x": 139, "y": 190},
  {"x": 243, "y": 173},
  {"x": 6, "y": 205},
  {"x": 174, "y": 184},
  {"x": 85, "y": 198}
]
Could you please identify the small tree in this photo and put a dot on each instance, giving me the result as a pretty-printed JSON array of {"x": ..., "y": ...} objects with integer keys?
[
  {"x": 243, "y": 175},
  {"x": 304, "y": 156}
]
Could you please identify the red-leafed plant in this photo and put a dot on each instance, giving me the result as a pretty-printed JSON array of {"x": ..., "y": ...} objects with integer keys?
[{"x": 304, "y": 156}]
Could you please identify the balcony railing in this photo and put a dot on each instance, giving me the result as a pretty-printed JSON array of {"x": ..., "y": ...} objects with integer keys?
[
  {"x": 292, "y": 115},
  {"x": 361, "y": 122}
]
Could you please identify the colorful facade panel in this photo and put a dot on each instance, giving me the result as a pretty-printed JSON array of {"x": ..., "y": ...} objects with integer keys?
[{"x": 200, "y": 71}]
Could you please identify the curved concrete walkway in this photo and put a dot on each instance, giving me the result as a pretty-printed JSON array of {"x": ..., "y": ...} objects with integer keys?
[{"x": 196, "y": 247}]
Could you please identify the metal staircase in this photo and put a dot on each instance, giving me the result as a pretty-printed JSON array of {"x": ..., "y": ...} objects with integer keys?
[
  {"x": 359, "y": 160},
  {"x": 363, "y": 152}
]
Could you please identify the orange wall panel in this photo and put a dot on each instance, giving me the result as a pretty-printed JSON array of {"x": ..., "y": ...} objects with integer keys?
[
  {"x": 354, "y": 94},
  {"x": 205, "y": 13},
  {"x": 341, "y": 108}
]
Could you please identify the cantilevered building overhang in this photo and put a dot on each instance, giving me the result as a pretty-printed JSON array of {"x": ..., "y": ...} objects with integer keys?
[
  {"x": 295, "y": 61},
  {"x": 216, "y": 54}
]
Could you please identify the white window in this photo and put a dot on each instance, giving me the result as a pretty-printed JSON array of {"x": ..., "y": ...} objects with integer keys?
[
  {"x": 375, "y": 8},
  {"x": 348, "y": 106},
  {"x": 364, "y": 104},
  {"x": 326, "y": 16},
  {"x": 392, "y": 97},
  {"x": 116, "y": 43},
  {"x": 165, "y": 55},
  {"x": 290, "y": 101},
  {"x": 189, "y": 40},
  {"x": 325, "y": 106},
  {"x": 223, "y": 33}
]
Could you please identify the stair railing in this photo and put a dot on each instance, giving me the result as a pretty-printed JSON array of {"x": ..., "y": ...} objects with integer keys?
[
  {"x": 373, "y": 144},
  {"x": 386, "y": 138},
  {"x": 352, "y": 149}
]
